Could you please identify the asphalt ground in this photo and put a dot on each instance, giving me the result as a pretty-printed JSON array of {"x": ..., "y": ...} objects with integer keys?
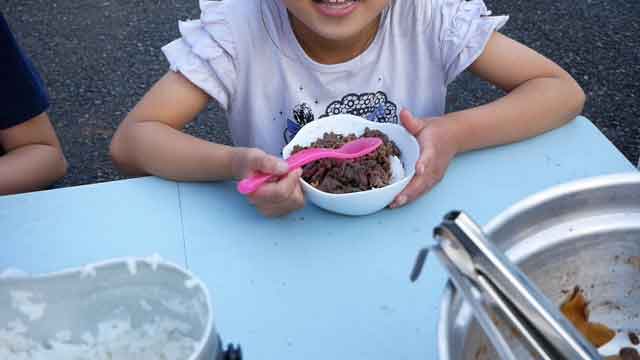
[{"x": 99, "y": 57}]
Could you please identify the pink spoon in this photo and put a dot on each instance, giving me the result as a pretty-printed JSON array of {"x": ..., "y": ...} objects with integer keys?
[{"x": 351, "y": 150}]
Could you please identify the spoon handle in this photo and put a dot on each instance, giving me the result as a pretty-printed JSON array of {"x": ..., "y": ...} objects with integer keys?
[{"x": 253, "y": 183}]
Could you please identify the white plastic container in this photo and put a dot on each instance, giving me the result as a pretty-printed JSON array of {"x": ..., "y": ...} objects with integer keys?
[
  {"x": 363, "y": 202},
  {"x": 130, "y": 307}
]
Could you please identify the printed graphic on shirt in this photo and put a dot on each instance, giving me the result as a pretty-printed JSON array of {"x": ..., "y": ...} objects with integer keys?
[
  {"x": 302, "y": 115},
  {"x": 374, "y": 107},
  {"x": 371, "y": 106}
]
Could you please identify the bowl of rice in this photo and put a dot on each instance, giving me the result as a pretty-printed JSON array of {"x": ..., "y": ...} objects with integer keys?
[{"x": 355, "y": 187}]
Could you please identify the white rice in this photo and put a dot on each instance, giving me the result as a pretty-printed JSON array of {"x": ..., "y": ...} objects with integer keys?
[
  {"x": 397, "y": 170},
  {"x": 161, "y": 339}
]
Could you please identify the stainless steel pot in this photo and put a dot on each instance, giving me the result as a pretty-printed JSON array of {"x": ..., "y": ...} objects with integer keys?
[{"x": 585, "y": 233}]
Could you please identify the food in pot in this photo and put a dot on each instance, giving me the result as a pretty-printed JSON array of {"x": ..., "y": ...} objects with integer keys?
[
  {"x": 575, "y": 310},
  {"x": 626, "y": 354},
  {"x": 375, "y": 170}
]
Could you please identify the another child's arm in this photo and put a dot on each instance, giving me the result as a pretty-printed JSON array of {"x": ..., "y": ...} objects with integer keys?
[
  {"x": 150, "y": 141},
  {"x": 33, "y": 158},
  {"x": 541, "y": 96}
]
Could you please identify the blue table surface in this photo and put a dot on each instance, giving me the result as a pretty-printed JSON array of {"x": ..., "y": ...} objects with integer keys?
[{"x": 313, "y": 285}]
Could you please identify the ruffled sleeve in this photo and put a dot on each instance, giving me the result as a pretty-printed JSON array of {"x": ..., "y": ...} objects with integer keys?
[
  {"x": 206, "y": 53},
  {"x": 463, "y": 30}
]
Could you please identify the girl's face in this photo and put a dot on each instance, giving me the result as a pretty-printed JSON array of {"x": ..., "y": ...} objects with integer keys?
[{"x": 336, "y": 20}]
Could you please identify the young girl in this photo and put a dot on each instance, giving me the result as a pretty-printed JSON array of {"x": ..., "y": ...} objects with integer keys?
[{"x": 276, "y": 65}]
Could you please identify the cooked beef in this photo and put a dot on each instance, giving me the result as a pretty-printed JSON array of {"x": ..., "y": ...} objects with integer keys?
[{"x": 346, "y": 176}]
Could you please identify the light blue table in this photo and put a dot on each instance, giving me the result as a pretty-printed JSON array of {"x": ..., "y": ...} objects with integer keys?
[{"x": 310, "y": 286}]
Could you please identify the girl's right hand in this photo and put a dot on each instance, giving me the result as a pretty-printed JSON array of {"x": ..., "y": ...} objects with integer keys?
[{"x": 276, "y": 198}]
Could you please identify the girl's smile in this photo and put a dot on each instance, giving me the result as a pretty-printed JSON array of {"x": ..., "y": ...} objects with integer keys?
[{"x": 336, "y": 8}]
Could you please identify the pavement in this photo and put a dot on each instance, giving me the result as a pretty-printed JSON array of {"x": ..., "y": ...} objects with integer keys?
[{"x": 98, "y": 58}]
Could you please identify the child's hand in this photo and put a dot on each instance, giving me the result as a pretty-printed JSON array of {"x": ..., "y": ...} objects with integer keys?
[
  {"x": 436, "y": 151},
  {"x": 272, "y": 199}
]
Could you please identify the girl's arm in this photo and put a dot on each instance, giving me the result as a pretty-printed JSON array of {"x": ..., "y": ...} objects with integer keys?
[
  {"x": 541, "y": 96},
  {"x": 34, "y": 158},
  {"x": 150, "y": 140}
]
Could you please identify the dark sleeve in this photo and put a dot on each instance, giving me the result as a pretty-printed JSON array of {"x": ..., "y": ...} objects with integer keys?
[{"x": 22, "y": 92}]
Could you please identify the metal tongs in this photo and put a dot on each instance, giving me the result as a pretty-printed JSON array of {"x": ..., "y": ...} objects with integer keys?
[{"x": 487, "y": 280}]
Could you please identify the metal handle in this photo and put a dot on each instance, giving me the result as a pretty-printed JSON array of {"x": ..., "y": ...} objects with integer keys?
[
  {"x": 474, "y": 298},
  {"x": 539, "y": 344}
]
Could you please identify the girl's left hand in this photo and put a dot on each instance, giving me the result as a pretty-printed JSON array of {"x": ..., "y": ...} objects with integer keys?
[{"x": 437, "y": 148}]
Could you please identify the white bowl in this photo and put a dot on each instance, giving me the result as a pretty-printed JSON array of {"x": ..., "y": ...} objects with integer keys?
[{"x": 362, "y": 202}]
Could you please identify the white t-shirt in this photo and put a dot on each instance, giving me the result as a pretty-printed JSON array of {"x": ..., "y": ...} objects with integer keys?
[{"x": 244, "y": 54}]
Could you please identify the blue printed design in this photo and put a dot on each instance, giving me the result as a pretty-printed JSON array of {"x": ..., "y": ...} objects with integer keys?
[
  {"x": 302, "y": 115},
  {"x": 378, "y": 113},
  {"x": 371, "y": 106},
  {"x": 293, "y": 127}
]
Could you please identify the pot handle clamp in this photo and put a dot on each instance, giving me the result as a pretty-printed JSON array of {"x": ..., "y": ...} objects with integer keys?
[{"x": 231, "y": 353}]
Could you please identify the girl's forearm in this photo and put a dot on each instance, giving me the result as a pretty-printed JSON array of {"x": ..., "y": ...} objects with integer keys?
[
  {"x": 155, "y": 148},
  {"x": 536, "y": 106},
  {"x": 30, "y": 168}
]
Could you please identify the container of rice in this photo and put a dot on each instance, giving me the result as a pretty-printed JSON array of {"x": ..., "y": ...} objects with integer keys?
[{"x": 129, "y": 308}]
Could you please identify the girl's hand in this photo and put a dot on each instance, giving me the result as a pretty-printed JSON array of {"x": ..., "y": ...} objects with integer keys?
[
  {"x": 273, "y": 199},
  {"x": 437, "y": 148}
]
